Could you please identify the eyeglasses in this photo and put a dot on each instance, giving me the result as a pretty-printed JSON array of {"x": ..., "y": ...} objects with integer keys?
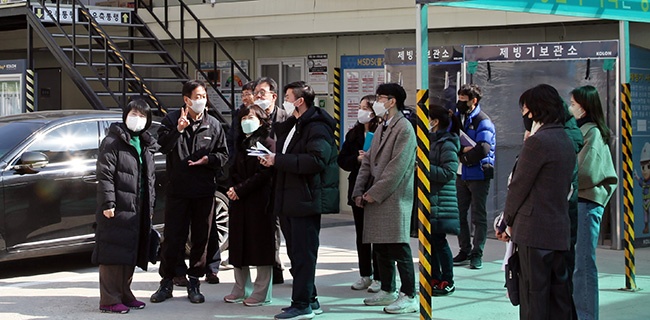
[
  {"x": 380, "y": 96},
  {"x": 262, "y": 92},
  {"x": 246, "y": 93}
]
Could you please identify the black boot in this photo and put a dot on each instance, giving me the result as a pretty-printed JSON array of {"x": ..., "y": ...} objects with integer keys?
[
  {"x": 164, "y": 292},
  {"x": 193, "y": 292}
]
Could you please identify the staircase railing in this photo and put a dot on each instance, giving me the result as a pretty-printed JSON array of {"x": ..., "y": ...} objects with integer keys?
[
  {"x": 110, "y": 49},
  {"x": 196, "y": 59}
]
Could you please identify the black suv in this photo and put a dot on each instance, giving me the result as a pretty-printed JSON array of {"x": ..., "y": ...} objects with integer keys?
[{"x": 48, "y": 186}]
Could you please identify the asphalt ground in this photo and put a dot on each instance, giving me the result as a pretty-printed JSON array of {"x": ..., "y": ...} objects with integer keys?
[{"x": 66, "y": 287}]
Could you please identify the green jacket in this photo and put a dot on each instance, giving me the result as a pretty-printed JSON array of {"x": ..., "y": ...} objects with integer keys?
[
  {"x": 443, "y": 156},
  {"x": 597, "y": 178}
]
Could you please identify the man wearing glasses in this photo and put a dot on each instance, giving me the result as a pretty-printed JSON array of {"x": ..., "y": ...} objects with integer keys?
[{"x": 265, "y": 97}]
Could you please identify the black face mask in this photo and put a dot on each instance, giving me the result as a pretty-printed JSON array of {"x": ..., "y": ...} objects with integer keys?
[
  {"x": 462, "y": 106},
  {"x": 528, "y": 122}
]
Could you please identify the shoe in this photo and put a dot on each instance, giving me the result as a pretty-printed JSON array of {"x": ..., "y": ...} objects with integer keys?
[
  {"x": 250, "y": 302},
  {"x": 461, "y": 259},
  {"x": 164, "y": 292},
  {"x": 403, "y": 304},
  {"x": 180, "y": 281},
  {"x": 381, "y": 298},
  {"x": 212, "y": 278},
  {"x": 375, "y": 286},
  {"x": 475, "y": 262},
  {"x": 135, "y": 304},
  {"x": 443, "y": 288},
  {"x": 231, "y": 298},
  {"x": 193, "y": 292},
  {"x": 315, "y": 307},
  {"x": 278, "y": 278},
  {"x": 362, "y": 284},
  {"x": 115, "y": 308},
  {"x": 292, "y": 313},
  {"x": 225, "y": 265}
]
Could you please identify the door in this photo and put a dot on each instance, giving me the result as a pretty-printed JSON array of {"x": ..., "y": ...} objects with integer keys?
[
  {"x": 49, "y": 89},
  {"x": 282, "y": 70},
  {"x": 57, "y": 202}
]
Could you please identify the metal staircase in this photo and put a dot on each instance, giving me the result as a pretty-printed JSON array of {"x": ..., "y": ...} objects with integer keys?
[{"x": 112, "y": 55}]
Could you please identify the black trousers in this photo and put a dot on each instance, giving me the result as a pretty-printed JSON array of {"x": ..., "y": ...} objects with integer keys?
[
  {"x": 442, "y": 265},
  {"x": 544, "y": 288},
  {"x": 302, "y": 238},
  {"x": 181, "y": 214},
  {"x": 367, "y": 259},
  {"x": 387, "y": 255},
  {"x": 472, "y": 194}
]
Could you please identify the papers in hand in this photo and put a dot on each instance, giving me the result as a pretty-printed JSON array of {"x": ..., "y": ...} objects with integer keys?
[
  {"x": 258, "y": 150},
  {"x": 465, "y": 140}
]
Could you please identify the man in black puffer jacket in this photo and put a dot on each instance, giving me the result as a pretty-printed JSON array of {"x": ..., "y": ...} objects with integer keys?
[
  {"x": 195, "y": 145},
  {"x": 306, "y": 186}
]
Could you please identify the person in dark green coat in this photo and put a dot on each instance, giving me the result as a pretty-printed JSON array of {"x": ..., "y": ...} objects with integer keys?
[{"x": 443, "y": 157}]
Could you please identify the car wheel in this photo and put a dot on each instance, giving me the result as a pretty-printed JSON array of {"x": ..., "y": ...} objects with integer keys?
[{"x": 221, "y": 218}]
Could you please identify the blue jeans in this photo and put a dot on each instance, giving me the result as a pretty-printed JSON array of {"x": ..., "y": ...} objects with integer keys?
[{"x": 585, "y": 275}]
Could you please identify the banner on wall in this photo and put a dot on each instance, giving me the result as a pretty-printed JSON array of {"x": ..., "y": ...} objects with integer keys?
[
  {"x": 640, "y": 91},
  {"x": 317, "y": 73},
  {"x": 225, "y": 82},
  {"x": 360, "y": 76}
]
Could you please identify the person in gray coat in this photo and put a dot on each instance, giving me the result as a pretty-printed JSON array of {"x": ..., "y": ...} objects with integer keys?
[{"x": 384, "y": 188}]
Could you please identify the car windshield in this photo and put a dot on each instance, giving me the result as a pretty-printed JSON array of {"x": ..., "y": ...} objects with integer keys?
[{"x": 13, "y": 133}]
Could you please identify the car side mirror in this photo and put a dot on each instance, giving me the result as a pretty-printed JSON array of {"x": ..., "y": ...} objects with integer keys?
[{"x": 32, "y": 160}]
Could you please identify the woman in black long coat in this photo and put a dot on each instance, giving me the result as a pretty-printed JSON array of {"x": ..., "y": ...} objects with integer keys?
[
  {"x": 251, "y": 224},
  {"x": 349, "y": 159},
  {"x": 125, "y": 200}
]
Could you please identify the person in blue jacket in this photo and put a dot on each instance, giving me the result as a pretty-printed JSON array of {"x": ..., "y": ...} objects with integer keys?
[{"x": 476, "y": 169}]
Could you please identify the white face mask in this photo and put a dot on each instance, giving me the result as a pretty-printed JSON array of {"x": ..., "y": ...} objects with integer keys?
[
  {"x": 198, "y": 105},
  {"x": 250, "y": 125},
  {"x": 289, "y": 107},
  {"x": 379, "y": 108},
  {"x": 364, "y": 116},
  {"x": 135, "y": 123},
  {"x": 577, "y": 111},
  {"x": 264, "y": 104}
]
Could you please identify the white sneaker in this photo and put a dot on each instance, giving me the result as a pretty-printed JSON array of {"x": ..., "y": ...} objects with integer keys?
[
  {"x": 403, "y": 304},
  {"x": 381, "y": 298},
  {"x": 362, "y": 284},
  {"x": 375, "y": 286}
]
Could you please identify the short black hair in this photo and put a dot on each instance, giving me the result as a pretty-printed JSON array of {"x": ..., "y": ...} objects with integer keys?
[
  {"x": 188, "y": 87},
  {"x": 139, "y": 105},
  {"x": 545, "y": 104},
  {"x": 250, "y": 85},
  {"x": 301, "y": 89},
  {"x": 393, "y": 90},
  {"x": 273, "y": 86},
  {"x": 471, "y": 91}
]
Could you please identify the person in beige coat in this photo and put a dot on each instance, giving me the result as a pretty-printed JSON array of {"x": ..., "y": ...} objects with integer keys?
[{"x": 384, "y": 188}]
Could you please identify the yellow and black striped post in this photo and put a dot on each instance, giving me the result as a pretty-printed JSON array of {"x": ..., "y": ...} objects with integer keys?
[
  {"x": 29, "y": 91},
  {"x": 628, "y": 196},
  {"x": 337, "y": 105},
  {"x": 424, "y": 207}
]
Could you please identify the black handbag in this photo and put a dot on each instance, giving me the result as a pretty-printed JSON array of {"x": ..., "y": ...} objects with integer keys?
[
  {"x": 154, "y": 246},
  {"x": 512, "y": 278}
]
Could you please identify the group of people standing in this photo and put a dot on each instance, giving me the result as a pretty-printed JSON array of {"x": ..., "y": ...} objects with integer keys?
[
  {"x": 562, "y": 180},
  {"x": 294, "y": 182}
]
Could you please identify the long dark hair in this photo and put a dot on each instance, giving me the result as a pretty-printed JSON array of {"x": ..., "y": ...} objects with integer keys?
[
  {"x": 587, "y": 97},
  {"x": 374, "y": 122}
]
